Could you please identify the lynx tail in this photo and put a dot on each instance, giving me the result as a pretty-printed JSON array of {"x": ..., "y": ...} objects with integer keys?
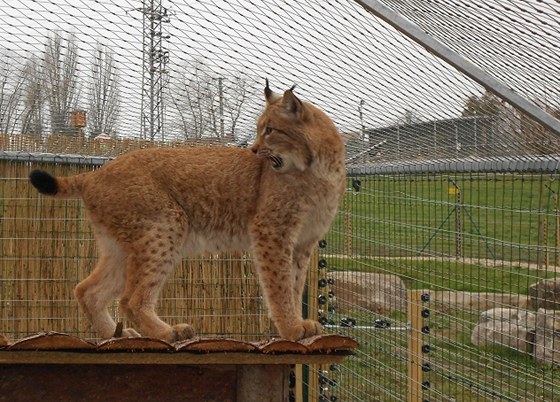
[
  {"x": 44, "y": 182},
  {"x": 59, "y": 187}
]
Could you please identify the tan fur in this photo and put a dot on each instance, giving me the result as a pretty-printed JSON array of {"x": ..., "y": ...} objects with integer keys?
[{"x": 149, "y": 207}]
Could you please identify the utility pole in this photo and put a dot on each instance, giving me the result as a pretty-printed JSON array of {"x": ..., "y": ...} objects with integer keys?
[
  {"x": 361, "y": 112},
  {"x": 221, "y": 97},
  {"x": 154, "y": 69}
]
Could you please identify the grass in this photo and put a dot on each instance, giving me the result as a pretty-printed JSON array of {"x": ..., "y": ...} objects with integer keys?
[
  {"x": 500, "y": 236},
  {"x": 448, "y": 274},
  {"x": 510, "y": 217}
]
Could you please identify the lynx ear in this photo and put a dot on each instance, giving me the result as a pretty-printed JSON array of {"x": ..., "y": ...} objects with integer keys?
[
  {"x": 291, "y": 103},
  {"x": 269, "y": 95}
]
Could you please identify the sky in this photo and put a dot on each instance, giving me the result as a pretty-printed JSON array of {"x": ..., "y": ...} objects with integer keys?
[{"x": 342, "y": 58}]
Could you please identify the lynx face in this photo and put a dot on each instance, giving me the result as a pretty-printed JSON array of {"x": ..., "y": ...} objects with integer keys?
[
  {"x": 149, "y": 207},
  {"x": 280, "y": 135}
]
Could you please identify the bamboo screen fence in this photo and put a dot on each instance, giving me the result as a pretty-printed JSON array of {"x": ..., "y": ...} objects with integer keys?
[{"x": 47, "y": 248}]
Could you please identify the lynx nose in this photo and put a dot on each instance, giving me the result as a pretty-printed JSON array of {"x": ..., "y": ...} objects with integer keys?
[{"x": 255, "y": 148}]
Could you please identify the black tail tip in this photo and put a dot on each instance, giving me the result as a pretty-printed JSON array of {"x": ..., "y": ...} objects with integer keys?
[{"x": 44, "y": 182}]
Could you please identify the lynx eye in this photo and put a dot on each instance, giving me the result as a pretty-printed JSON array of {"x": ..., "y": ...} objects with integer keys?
[{"x": 267, "y": 130}]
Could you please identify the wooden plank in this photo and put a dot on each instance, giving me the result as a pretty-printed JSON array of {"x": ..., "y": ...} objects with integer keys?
[
  {"x": 51, "y": 341},
  {"x": 8, "y": 357},
  {"x": 135, "y": 345},
  {"x": 329, "y": 343},
  {"x": 128, "y": 383},
  {"x": 207, "y": 345},
  {"x": 279, "y": 345}
]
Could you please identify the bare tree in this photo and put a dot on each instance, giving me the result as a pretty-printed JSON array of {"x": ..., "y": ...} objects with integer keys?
[
  {"x": 207, "y": 103},
  {"x": 11, "y": 92},
  {"x": 237, "y": 95},
  {"x": 61, "y": 81},
  {"x": 192, "y": 97},
  {"x": 33, "y": 98},
  {"x": 104, "y": 93}
]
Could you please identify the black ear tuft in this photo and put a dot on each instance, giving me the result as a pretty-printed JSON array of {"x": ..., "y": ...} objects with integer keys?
[
  {"x": 267, "y": 91},
  {"x": 44, "y": 182},
  {"x": 291, "y": 103}
]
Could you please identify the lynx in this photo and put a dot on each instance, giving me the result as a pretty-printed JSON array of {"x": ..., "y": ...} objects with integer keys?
[{"x": 149, "y": 207}]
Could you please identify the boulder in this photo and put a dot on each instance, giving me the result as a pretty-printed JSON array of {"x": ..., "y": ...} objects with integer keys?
[
  {"x": 547, "y": 337},
  {"x": 380, "y": 293},
  {"x": 545, "y": 294},
  {"x": 513, "y": 328}
]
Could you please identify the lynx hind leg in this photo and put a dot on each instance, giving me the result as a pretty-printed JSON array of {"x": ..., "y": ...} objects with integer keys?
[
  {"x": 102, "y": 286},
  {"x": 275, "y": 270},
  {"x": 147, "y": 270}
]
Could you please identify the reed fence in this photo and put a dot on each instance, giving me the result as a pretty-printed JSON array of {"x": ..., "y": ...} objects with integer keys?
[{"x": 47, "y": 247}]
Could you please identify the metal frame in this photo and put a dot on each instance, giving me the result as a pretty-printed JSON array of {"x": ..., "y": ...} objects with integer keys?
[
  {"x": 460, "y": 63},
  {"x": 519, "y": 164}
]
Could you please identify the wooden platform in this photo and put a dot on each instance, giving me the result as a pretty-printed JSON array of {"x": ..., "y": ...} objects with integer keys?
[{"x": 56, "y": 366}]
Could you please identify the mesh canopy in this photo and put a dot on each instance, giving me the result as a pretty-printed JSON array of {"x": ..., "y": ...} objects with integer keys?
[{"x": 207, "y": 62}]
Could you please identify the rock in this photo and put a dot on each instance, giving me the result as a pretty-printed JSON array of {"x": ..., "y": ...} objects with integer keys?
[
  {"x": 446, "y": 301},
  {"x": 381, "y": 293},
  {"x": 545, "y": 294},
  {"x": 508, "y": 327},
  {"x": 547, "y": 337}
]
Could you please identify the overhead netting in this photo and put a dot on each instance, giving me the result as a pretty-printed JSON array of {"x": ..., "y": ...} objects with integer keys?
[
  {"x": 188, "y": 70},
  {"x": 451, "y": 209}
]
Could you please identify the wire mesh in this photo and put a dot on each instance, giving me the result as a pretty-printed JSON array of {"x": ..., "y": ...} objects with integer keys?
[
  {"x": 452, "y": 192},
  {"x": 473, "y": 243}
]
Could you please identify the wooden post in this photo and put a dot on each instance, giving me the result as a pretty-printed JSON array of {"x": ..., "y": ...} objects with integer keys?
[
  {"x": 557, "y": 231},
  {"x": 257, "y": 383},
  {"x": 348, "y": 246},
  {"x": 299, "y": 383},
  {"x": 541, "y": 231},
  {"x": 312, "y": 287},
  {"x": 458, "y": 223},
  {"x": 414, "y": 347},
  {"x": 312, "y": 313},
  {"x": 545, "y": 242}
]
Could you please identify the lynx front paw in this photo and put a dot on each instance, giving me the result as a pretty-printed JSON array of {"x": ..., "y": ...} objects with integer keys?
[
  {"x": 180, "y": 332},
  {"x": 303, "y": 329}
]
